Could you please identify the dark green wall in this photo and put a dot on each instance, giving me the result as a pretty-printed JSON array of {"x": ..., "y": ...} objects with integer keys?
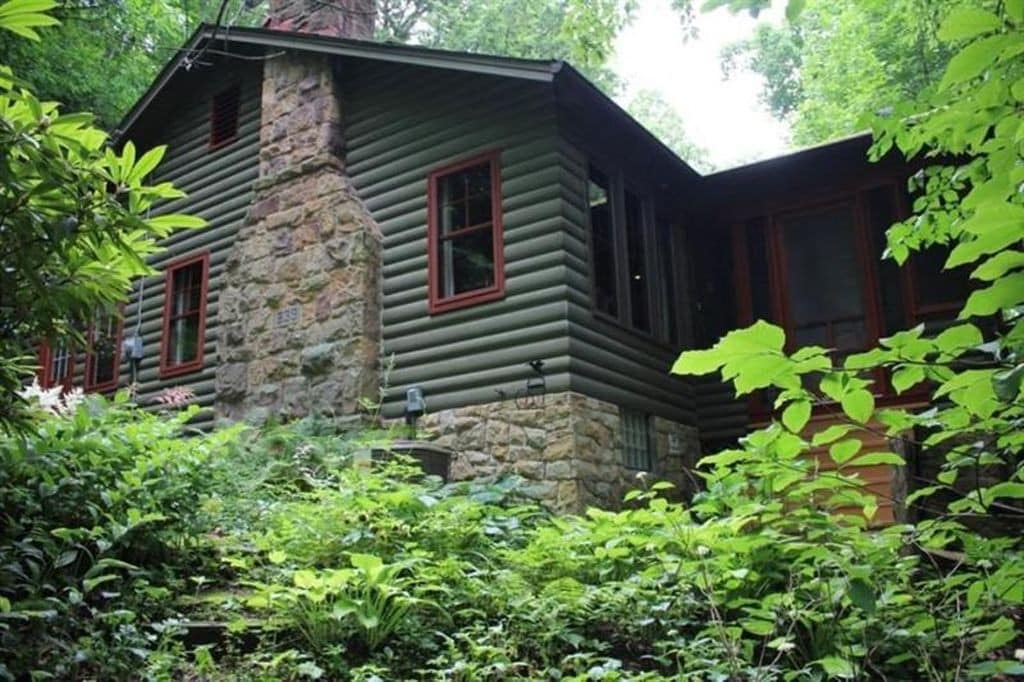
[
  {"x": 400, "y": 123},
  {"x": 218, "y": 183}
]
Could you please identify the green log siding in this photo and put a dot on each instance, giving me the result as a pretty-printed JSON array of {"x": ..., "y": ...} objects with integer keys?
[
  {"x": 218, "y": 183},
  {"x": 403, "y": 121},
  {"x": 608, "y": 362}
]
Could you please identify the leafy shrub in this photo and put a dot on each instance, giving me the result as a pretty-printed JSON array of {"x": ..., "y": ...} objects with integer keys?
[{"x": 99, "y": 513}]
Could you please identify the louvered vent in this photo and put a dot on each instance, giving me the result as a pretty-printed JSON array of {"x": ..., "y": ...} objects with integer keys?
[{"x": 224, "y": 116}]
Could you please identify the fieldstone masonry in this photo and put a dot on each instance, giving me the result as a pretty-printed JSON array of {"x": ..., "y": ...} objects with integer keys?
[
  {"x": 300, "y": 307},
  {"x": 565, "y": 445}
]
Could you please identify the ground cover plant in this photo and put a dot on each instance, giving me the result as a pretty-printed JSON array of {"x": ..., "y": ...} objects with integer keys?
[{"x": 129, "y": 552}]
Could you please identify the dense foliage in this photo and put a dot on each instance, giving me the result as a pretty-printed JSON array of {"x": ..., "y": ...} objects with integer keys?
[
  {"x": 128, "y": 551},
  {"x": 840, "y": 59},
  {"x": 73, "y": 218}
]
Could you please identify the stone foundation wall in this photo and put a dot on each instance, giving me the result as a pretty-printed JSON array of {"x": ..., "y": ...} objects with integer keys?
[
  {"x": 300, "y": 304},
  {"x": 566, "y": 446}
]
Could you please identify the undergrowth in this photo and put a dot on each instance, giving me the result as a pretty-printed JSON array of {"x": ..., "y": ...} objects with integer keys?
[{"x": 122, "y": 543}]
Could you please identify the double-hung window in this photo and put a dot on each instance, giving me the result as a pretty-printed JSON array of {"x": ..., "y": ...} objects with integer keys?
[
  {"x": 56, "y": 365},
  {"x": 625, "y": 264},
  {"x": 464, "y": 233},
  {"x": 184, "y": 323},
  {"x": 103, "y": 362}
]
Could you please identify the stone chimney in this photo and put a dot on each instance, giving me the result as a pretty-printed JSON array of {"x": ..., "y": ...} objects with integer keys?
[
  {"x": 300, "y": 304},
  {"x": 335, "y": 18}
]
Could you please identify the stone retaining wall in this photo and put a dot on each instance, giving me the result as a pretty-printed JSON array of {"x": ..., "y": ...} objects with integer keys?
[{"x": 566, "y": 446}]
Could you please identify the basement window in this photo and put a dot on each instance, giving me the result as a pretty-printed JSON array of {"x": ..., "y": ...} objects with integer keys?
[
  {"x": 637, "y": 443},
  {"x": 224, "y": 116},
  {"x": 184, "y": 323},
  {"x": 465, "y": 260},
  {"x": 103, "y": 362}
]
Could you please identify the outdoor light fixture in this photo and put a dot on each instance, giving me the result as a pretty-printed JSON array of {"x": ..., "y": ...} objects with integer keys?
[
  {"x": 415, "y": 405},
  {"x": 538, "y": 383}
]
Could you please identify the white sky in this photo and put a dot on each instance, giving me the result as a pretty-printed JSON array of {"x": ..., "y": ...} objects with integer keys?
[{"x": 723, "y": 116}]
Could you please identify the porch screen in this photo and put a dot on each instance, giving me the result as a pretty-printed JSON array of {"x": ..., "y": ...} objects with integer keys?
[{"x": 824, "y": 286}]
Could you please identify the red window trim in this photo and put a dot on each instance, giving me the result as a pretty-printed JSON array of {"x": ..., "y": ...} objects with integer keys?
[
  {"x": 45, "y": 355},
  {"x": 436, "y": 303},
  {"x": 167, "y": 369},
  {"x": 90, "y": 358},
  {"x": 234, "y": 90}
]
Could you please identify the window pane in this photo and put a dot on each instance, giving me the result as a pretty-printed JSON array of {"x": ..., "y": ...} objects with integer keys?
[
  {"x": 188, "y": 290},
  {"x": 824, "y": 287},
  {"x": 183, "y": 345},
  {"x": 59, "y": 370},
  {"x": 636, "y": 252},
  {"x": 881, "y": 205},
  {"x": 467, "y": 262},
  {"x": 465, "y": 198},
  {"x": 636, "y": 440},
  {"x": 603, "y": 243},
  {"x": 757, "y": 258},
  {"x": 103, "y": 367},
  {"x": 939, "y": 292},
  {"x": 668, "y": 278}
]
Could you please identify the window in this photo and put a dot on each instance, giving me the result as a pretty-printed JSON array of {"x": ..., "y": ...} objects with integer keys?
[
  {"x": 622, "y": 241},
  {"x": 56, "y": 365},
  {"x": 667, "y": 274},
  {"x": 819, "y": 273},
  {"x": 184, "y": 315},
  {"x": 103, "y": 361},
  {"x": 636, "y": 256},
  {"x": 602, "y": 238},
  {"x": 637, "y": 451},
  {"x": 224, "y": 116},
  {"x": 465, "y": 250},
  {"x": 824, "y": 279}
]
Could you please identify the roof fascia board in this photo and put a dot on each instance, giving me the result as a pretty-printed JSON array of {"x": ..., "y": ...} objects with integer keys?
[{"x": 495, "y": 66}]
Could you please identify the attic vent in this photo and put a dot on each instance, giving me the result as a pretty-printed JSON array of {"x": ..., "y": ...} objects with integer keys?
[{"x": 224, "y": 116}]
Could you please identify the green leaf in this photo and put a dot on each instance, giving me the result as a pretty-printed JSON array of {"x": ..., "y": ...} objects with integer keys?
[
  {"x": 837, "y": 667},
  {"x": 172, "y": 221},
  {"x": 1005, "y": 489},
  {"x": 1004, "y": 294},
  {"x": 971, "y": 61},
  {"x": 842, "y": 451},
  {"x": 956, "y": 340},
  {"x": 1015, "y": 10},
  {"x": 907, "y": 377},
  {"x": 858, "y": 405},
  {"x": 831, "y": 434},
  {"x": 862, "y": 595},
  {"x": 760, "y": 628},
  {"x": 305, "y": 579},
  {"x": 998, "y": 265},
  {"x": 873, "y": 458},
  {"x": 796, "y": 415},
  {"x": 1002, "y": 631},
  {"x": 967, "y": 22},
  {"x": 89, "y": 584},
  {"x": 794, "y": 8},
  {"x": 698, "y": 362}
]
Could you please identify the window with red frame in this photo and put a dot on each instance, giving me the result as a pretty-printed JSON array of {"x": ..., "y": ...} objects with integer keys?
[
  {"x": 185, "y": 315},
  {"x": 103, "y": 361},
  {"x": 464, "y": 232},
  {"x": 56, "y": 365},
  {"x": 818, "y": 271}
]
